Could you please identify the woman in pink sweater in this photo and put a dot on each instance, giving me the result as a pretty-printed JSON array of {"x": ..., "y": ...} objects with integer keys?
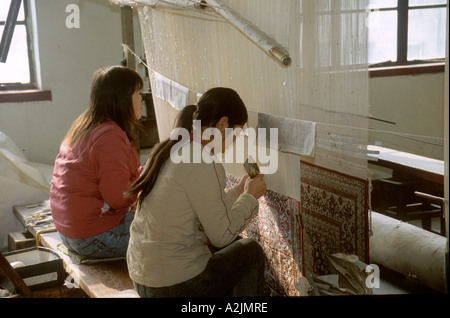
[{"x": 96, "y": 164}]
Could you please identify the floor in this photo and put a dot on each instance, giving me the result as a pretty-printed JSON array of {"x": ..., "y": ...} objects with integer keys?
[{"x": 393, "y": 283}]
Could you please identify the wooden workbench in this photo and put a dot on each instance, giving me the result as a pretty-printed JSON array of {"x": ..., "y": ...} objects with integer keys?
[{"x": 104, "y": 279}]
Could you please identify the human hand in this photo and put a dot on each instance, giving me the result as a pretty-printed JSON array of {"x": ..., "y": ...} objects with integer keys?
[
  {"x": 255, "y": 186},
  {"x": 240, "y": 186}
]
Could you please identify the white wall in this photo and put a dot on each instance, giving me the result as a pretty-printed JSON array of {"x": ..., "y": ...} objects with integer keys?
[
  {"x": 416, "y": 104},
  {"x": 68, "y": 59}
]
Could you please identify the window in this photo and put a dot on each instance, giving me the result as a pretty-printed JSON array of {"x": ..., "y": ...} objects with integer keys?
[
  {"x": 406, "y": 32},
  {"x": 18, "y": 72}
]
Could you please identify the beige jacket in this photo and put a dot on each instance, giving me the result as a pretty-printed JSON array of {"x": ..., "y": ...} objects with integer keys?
[{"x": 187, "y": 207}]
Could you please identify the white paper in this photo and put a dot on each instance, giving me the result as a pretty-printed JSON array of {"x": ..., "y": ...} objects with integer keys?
[
  {"x": 172, "y": 92},
  {"x": 294, "y": 135}
]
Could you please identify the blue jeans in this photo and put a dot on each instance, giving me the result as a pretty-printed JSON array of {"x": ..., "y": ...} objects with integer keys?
[
  {"x": 113, "y": 243},
  {"x": 236, "y": 270}
]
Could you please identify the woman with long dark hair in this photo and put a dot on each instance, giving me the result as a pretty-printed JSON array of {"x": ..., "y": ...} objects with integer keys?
[
  {"x": 184, "y": 240},
  {"x": 96, "y": 164}
]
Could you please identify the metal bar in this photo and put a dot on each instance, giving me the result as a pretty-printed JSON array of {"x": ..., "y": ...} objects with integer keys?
[
  {"x": 273, "y": 48},
  {"x": 382, "y": 120},
  {"x": 8, "y": 31}
]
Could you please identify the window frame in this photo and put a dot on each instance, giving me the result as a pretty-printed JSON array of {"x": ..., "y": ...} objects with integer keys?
[
  {"x": 403, "y": 8},
  {"x": 5, "y": 87}
]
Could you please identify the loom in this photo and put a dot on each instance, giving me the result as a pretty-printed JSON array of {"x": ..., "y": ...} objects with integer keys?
[
  {"x": 318, "y": 201},
  {"x": 255, "y": 34}
]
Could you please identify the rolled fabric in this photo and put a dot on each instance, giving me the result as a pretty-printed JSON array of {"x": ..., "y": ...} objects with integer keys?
[{"x": 409, "y": 250}]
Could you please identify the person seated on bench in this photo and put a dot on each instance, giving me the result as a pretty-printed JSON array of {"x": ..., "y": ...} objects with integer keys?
[
  {"x": 96, "y": 164},
  {"x": 184, "y": 240}
]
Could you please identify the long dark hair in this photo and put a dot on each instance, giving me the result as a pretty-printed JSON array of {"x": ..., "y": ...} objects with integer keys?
[
  {"x": 213, "y": 105},
  {"x": 112, "y": 88}
]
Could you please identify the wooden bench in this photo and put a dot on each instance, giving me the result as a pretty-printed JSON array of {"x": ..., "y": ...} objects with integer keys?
[{"x": 104, "y": 279}]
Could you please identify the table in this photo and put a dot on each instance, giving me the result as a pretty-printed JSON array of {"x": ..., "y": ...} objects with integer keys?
[
  {"x": 422, "y": 167},
  {"x": 24, "y": 211},
  {"x": 415, "y": 189}
]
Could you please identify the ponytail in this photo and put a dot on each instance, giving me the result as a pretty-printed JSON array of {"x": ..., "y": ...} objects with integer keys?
[
  {"x": 158, "y": 156},
  {"x": 186, "y": 117},
  {"x": 212, "y": 106}
]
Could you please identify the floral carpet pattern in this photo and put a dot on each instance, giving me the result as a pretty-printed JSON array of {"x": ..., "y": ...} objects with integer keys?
[
  {"x": 334, "y": 216},
  {"x": 276, "y": 229},
  {"x": 296, "y": 237}
]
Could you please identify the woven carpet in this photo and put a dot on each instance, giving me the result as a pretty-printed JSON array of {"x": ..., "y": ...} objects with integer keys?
[
  {"x": 334, "y": 216},
  {"x": 276, "y": 229},
  {"x": 297, "y": 237}
]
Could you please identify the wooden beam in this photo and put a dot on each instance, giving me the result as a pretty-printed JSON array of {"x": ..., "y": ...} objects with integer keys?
[
  {"x": 15, "y": 278},
  {"x": 126, "y": 13}
]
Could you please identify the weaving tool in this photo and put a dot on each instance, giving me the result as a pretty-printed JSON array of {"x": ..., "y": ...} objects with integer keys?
[{"x": 251, "y": 168}]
